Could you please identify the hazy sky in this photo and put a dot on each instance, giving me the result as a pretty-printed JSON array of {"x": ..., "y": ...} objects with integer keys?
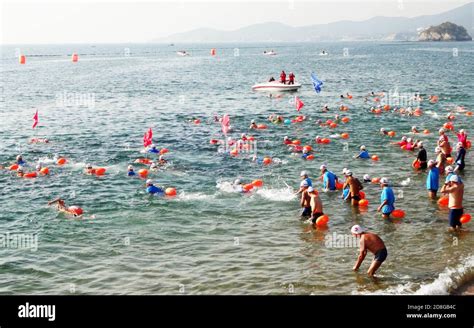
[{"x": 122, "y": 21}]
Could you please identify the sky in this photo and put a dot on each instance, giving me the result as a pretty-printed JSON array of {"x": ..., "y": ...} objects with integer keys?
[{"x": 117, "y": 21}]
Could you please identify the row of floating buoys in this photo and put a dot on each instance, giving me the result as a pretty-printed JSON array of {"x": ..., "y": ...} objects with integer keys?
[{"x": 22, "y": 58}]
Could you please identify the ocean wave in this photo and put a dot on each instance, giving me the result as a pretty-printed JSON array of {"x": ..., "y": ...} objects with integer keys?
[{"x": 277, "y": 195}]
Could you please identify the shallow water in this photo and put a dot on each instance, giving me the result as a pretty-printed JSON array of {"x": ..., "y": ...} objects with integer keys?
[{"x": 209, "y": 240}]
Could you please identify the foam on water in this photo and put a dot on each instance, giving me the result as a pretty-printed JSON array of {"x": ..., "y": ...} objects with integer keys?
[{"x": 277, "y": 195}]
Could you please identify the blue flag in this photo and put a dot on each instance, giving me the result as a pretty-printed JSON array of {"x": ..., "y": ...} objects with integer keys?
[{"x": 317, "y": 84}]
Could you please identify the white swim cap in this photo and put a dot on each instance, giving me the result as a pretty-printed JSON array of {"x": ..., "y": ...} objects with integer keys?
[
  {"x": 441, "y": 138},
  {"x": 348, "y": 172},
  {"x": 344, "y": 170},
  {"x": 460, "y": 144},
  {"x": 38, "y": 166},
  {"x": 454, "y": 178},
  {"x": 420, "y": 143},
  {"x": 149, "y": 181},
  {"x": 404, "y": 138},
  {"x": 437, "y": 150},
  {"x": 322, "y": 167},
  {"x": 409, "y": 139},
  {"x": 366, "y": 177},
  {"x": 237, "y": 181},
  {"x": 285, "y": 138},
  {"x": 304, "y": 183},
  {"x": 382, "y": 129},
  {"x": 252, "y": 121},
  {"x": 413, "y": 127},
  {"x": 449, "y": 169},
  {"x": 461, "y": 131},
  {"x": 384, "y": 181},
  {"x": 441, "y": 130},
  {"x": 152, "y": 145},
  {"x": 357, "y": 229},
  {"x": 89, "y": 165},
  {"x": 303, "y": 173},
  {"x": 130, "y": 167},
  {"x": 431, "y": 162},
  {"x": 243, "y": 135},
  {"x": 362, "y": 147}
]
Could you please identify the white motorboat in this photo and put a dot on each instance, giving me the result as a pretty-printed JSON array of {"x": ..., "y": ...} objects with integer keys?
[
  {"x": 182, "y": 53},
  {"x": 276, "y": 86},
  {"x": 323, "y": 53},
  {"x": 269, "y": 53}
]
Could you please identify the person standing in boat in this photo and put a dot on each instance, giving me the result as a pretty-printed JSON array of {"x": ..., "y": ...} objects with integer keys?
[
  {"x": 291, "y": 78},
  {"x": 283, "y": 77}
]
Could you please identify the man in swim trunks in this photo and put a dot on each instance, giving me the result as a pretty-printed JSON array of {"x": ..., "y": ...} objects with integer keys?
[
  {"x": 460, "y": 164},
  {"x": 305, "y": 200},
  {"x": 455, "y": 189},
  {"x": 387, "y": 199},
  {"x": 422, "y": 156},
  {"x": 354, "y": 187},
  {"x": 440, "y": 159},
  {"x": 316, "y": 204},
  {"x": 443, "y": 143},
  {"x": 432, "y": 181},
  {"x": 369, "y": 242}
]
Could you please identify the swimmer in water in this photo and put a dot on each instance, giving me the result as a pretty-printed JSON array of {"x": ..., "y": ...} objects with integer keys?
[
  {"x": 317, "y": 139},
  {"x": 253, "y": 125},
  {"x": 364, "y": 154},
  {"x": 286, "y": 140},
  {"x": 414, "y": 129},
  {"x": 354, "y": 186},
  {"x": 305, "y": 201},
  {"x": 152, "y": 189},
  {"x": 383, "y": 132},
  {"x": 461, "y": 154},
  {"x": 387, "y": 199},
  {"x": 443, "y": 143},
  {"x": 243, "y": 137},
  {"x": 326, "y": 108},
  {"x": 161, "y": 160},
  {"x": 19, "y": 160},
  {"x": 462, "y": 137},
  {"x": 39, "y": 140},
  {"x": 39, "y": 166},
  {"x": 432, "y": 180},
  {"x": 19, "y": 172},
  {"x": 369, "y": 242},
  {"x": 367, "y": 178},
  {"x": 329, "y": 179},
  {"x": 238, "y": 185},
  {"x": 130, "y": 171},
  {"x": 89, "y": 169},
  {"x": 61, "y": 206},
  {"x": 455, "y": 189},
  {"x": 304, "y": 177},
  {"x": 402, "y": 142},
  {"x": 422, "y": 156},
  {"x": 153, "y": 149},
  {"x": 316, "y": 204}
]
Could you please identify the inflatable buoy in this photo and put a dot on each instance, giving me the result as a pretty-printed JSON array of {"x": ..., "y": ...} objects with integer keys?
[
  {"x": 325, "y": 140},
  {"x": 398, "y": 214},
  {"x": 44, "y": 171},
  {"x": 61, "y": 161},
  {"x": 362, "y": 194},
  {"x": 75, "y": 210},
  {"x": 213, "y": 141},
  {"x": 443, "y": 201},
  {"x": 333, "y": 125},
  {"x": 296, "y": 142},
  {"x": 329, "y": 122},
  {"x": 234, "y": 152},
  {"x": 251, "y": 138},
  {"x": 345, "y": 120},
  {"x": 14, "y": 167},
  {"x": 344, "y": 108},
  {"x": 197, "y": 121},
  {"x": 261, "y": 126},
  {"x": 469, "y": 113},
  {"x": 100, "y": 171},
  {"x": 404, "y": 147},
  {"x": 213, "y": 52},
  {"x": 468, "y": 144},
  {"x": 287, "y": 121},
  {"x": 465, "y": 218},
  {"x": 145, "y": 161},
  {"x": 22, "y": 59},
  {"x": 74, "y": 58},
  {"x": 247, "y": 187},
  {"x": 363, "y": 203},
  {"x": 257, "y": 183},
  {"x": 392, "y": 133},
  {"x": 170, "y": 191},
  {"x": 449, "y": 160},
  {"x": 339, "y": 185},
  {"x": 143, "y": 173},
  {"x": 164, "y": 151},
  {"x": 375, "y": 158},
  {"x": 322, "y": 221},
  {"x": 378, "y": 111},
  {"x": 309, "y": 157},
  {"x": 308, "y": 148},
  {"x": 448, "y": 126},
  {"x": 267, "y": 160},
  {"x": 426, "y": 131},
  {"x": 386, "y": 107},
  {"x": 30, "y": 175},
  {"x": 345, "y": 135},
  {"x": 297, "y": 148},
  {"x": 375, "y": 180},
  {"x": 416, "y": 164}
]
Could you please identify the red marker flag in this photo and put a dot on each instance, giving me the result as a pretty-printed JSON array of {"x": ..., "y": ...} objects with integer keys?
[
  {"x": 298, "y": 104},
  {"x": 225, "y": 124},
  {"x": 147, "y": 138},
  {"x": 35, "y": 119}
]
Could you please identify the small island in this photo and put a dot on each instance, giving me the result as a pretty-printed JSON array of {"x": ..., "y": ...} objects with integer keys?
[{"x": 445, "y": 32}]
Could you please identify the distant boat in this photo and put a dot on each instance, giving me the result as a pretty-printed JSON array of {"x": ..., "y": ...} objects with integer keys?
[
  {"x": 182, "y": 53},
  {"x": 275, "y": 86},
  {"x": 269, "y": 53},
  {"x": 323, "y": 53},
  {"x": 171, "y": 44}
]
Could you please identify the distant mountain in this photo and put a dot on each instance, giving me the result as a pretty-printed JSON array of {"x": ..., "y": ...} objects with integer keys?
[
  {"x": 445, "y": 32},
  {"x": 376, "y": 28}
]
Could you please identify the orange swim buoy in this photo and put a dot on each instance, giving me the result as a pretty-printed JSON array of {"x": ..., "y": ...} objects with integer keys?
[
  {"x": 325, "y": 140},
  {"x": 145, "y": 161},
  {"x": 443, "y": 201},
  {"x": 363, "y": 203},
  {"x": 398, "y": 214},
  {"x": 170, "y": 191},
  {"x": 197, "y": 121},
  {"x": 468, "y": 144},
  {"x": 449, "y": 160},
  {"x": 416, "y": 164},
  {"x": 339, "y": 185},
  {"x": 100, "y": 171},
  {"x": 143, "y": 173},
  {"x": 44, "y": 171},
  {"x": 234, "y": 152},
  {"x": 74, "y": 58},
  {"x": 378, "y": 111},
  {"x": 309, "y": 157},
  {"x": 22, "y": 59},
  {"x": 322, "y": 220},
  {"x": 261, "y": 126},
  {"x": 375, "y": 180},
  {"x": 426, "y": 131},
  {"x": 296, "y": 142},
  {"x": 465, "y": 218},
  {"x": 333, "y": 125},
  {"x": 362, "y": 194},
  {"x": 308, "y": 148},
  {"x": 30, "y": 175},
  {"x": 61, "y": 161},
  {"x": 267, "y": 161},
  {"x": 257, "y": 183},
  {"x": 164, "y": 151},
  {"x": 391, "y": 133},
  {"x": 213, "y": 141},
  {"x": 213, "y": 52},
  {"x": 75, "y": 210},
  {"x": 345, "y": 135},
  {"x": 345, "y": 120},
  {"x": 469, "y": 113},
  {"x": 13, "y": 167},
  {"x": 247, "y": 187},
  {"x": 375, "y": 158},
  {"x": 386, "y": 107}
]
